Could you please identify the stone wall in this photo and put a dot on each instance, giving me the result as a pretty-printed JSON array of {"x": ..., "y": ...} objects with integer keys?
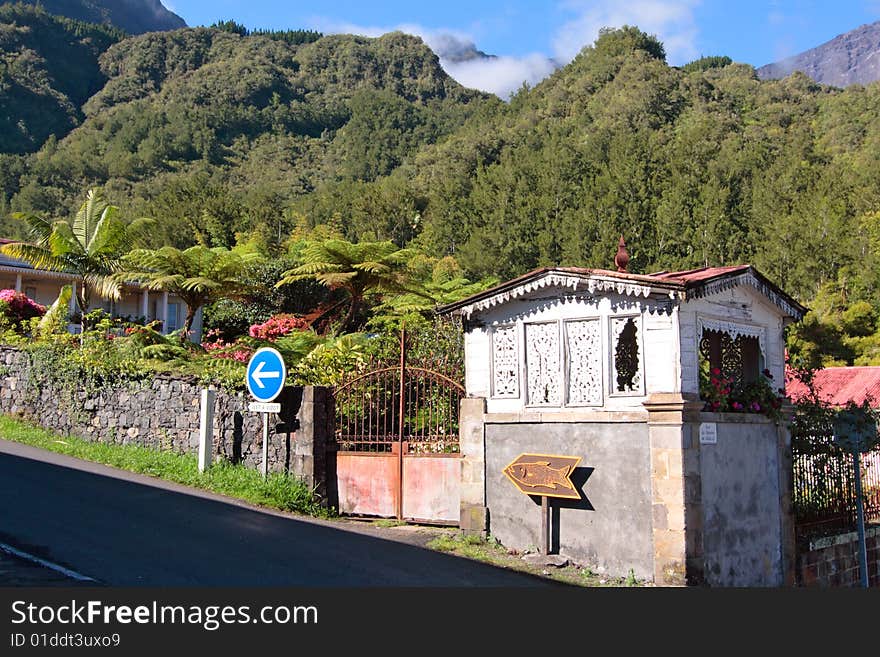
[
  {"x": 162, "y": 412},
  {"x": 834, "y": 560}
]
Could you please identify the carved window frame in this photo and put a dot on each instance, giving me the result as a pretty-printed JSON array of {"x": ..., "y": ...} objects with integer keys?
[
  {"x": 736, "y": 332},
  {"x": 518, "y": 357},
  {"x": 612, "y": 349}
]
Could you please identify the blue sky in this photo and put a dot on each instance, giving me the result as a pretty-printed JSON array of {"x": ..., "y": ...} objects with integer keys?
[{"x": 528, "y": 37}]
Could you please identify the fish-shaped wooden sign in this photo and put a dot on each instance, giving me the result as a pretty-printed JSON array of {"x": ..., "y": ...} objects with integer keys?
[{"x": 544, "y": 474}]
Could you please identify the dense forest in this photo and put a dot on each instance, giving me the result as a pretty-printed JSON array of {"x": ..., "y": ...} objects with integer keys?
[{"x": 223, "y": 135}]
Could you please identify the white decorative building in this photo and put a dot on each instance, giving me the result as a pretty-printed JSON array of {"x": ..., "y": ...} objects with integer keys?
[
  {"x": 572, "y": 339},
  {"x": 605, "y": 365}
]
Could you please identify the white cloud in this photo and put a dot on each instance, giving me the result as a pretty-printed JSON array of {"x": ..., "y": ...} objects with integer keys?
[
  {"x": 671, "y": 20},
  {"x": 500, "y": 75}
]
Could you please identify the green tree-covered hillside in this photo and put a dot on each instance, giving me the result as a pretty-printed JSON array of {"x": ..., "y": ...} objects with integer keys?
[
  {"x": 219, "y": 132},
  {"x": 48, "y": 69}
]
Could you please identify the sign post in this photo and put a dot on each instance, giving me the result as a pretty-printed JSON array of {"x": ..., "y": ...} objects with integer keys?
[
  {"x": 265, "y": 377},
  {"x": 547, "y": 475},
  {"x": 855, "y": 430}
]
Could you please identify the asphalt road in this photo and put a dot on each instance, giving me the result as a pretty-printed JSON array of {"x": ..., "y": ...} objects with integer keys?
[{"x": 123, "y": 529}]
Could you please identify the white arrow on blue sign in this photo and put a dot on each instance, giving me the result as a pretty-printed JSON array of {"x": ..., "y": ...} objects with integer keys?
[{"x": 265, "y": 374}]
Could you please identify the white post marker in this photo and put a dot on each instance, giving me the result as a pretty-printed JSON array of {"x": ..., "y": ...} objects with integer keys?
[
  {"x": 265, "y": 377},
  {"x": 206, "y": 429}
]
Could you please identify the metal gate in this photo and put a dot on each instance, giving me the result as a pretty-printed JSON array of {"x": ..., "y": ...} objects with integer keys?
[{"x": 397, "y": 452}]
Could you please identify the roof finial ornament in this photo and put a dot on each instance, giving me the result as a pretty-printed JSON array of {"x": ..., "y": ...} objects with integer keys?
[{"x": 622, "y": 257}]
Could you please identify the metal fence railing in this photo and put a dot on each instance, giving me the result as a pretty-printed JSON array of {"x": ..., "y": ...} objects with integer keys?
[{"x": 824, "y": 493}]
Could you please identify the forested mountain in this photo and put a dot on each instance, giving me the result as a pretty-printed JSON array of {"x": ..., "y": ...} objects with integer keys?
[
  {"x": 218, "y": 130},
  {"x": 132, "y": 16},
  {"x": 219, "y": 133},
  {"x": 48, "y": 69},
  {"x": 849, "y": 58}
]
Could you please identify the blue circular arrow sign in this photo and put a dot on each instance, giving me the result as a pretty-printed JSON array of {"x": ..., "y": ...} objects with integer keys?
[{"x": 265, "y": 374}]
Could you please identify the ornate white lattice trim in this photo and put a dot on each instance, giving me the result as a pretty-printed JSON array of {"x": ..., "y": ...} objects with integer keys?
[
  {"x": 584, "y": 348},
  {"x": 543, "y": 364},
  {"x": 748, "y": 278},
  {"x": 734, "y": 330},
  {"x": 505, "y": 362},
  {"x": 591, "y": 284}
]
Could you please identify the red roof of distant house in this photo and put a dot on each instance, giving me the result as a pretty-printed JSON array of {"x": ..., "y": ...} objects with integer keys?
[{"x": 838, "y": 385}]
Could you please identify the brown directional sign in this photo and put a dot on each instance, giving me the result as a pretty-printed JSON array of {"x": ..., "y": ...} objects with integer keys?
[{"x": 544, "y": 474}]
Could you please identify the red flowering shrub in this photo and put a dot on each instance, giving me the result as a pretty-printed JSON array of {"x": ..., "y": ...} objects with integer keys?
[
  {"x": 724, "y": 394},
  {"x": 219, "y": 348},
  {"x": 18, "y": 308},
  {"x": 278, "y": 325}
]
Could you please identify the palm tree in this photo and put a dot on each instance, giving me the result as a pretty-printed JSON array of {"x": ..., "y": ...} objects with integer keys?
[
  {"x": 91, "y": 247},
  {"x": 357, "y": 269},
  {"x": 198, "y": 275}
]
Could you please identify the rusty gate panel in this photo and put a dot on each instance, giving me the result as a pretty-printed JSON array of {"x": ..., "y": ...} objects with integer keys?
[
  {"x": 431, "y": 488},
  {"x": 397, "y": 452},
  {"x": 367, "y": 484}
]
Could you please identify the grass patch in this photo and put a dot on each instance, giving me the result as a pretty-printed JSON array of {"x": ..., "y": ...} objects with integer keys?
[
  {"x": 389, "y": 522},
  {"x": 277, "y": 491},
  {"x": 489, "y": 550}
]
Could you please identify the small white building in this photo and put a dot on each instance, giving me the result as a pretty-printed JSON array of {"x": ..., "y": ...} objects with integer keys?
[
  {"x": 604, "y": 365},
  {"x": 136, "y": 304},
  {"x": 579, "y": 340}
]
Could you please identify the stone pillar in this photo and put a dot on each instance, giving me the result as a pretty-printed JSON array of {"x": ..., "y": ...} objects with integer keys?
[
  {"x": 195, "y": 331},
  {"x": 163, "y": 312},
  {"x": 145, "y": 305},
  {"x": 473, "y": 517},
  {"x": 72, "y": 305},
  {"x": 18, "y": 282},
  {"x": 673, "y": 423},
  {"x": 313, "y": 436}
]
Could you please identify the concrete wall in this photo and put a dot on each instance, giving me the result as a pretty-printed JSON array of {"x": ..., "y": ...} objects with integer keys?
[
  {"x": 744, "y": 531},
  {"x": 610, "y": 528},
  {"x": 834, "y": 560}
]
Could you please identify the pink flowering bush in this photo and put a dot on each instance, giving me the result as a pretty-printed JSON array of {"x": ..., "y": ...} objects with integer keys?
[
  {"x": 277, "y": 326},
  {"x": 217, "y": 347},
  {"x": 17, "y": 308}
]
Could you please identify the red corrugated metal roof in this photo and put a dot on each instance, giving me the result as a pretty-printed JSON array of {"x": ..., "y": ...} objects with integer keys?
[
  {"x": 838, "y": 385},
  {"x": 698, "y": 275}
]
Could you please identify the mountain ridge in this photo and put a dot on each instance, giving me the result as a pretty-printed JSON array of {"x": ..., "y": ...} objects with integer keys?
[
  {"x": 849, "y": 58},
  {"x": 132, "y": 16}
]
